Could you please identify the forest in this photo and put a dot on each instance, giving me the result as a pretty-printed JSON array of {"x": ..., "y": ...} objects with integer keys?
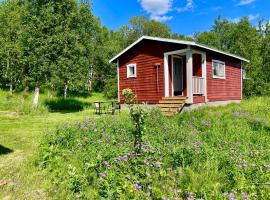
[{"x": 61, "y": 46}]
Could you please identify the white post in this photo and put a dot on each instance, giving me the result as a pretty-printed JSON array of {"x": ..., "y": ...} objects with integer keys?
[
  {"x": 189, "y": 70},
  {"x": 166, "y": 75},
  {"x": 204, "y": 75},
  {"x": 118, "y": 80}
]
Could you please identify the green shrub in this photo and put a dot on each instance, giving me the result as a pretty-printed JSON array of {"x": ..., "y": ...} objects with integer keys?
[
  {"x": 211, "y": 153},
  {"x": 68, "y": 105}
]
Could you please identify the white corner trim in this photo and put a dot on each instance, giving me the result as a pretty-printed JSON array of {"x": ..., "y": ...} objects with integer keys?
[
  {"x": 118, "y": 80},
  {"x": 241, "y": 80},
  {"x": 204, "y": 74},
  {"x": 135, "y": 70},
  {"x": 189, "y": 43}
]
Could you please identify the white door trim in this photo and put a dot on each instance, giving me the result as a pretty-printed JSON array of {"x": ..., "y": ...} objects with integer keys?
[{"x": 166, "y": 75}]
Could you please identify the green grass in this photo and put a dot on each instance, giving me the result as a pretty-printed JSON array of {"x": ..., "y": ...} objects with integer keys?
[
  {"x": 210, "y": 153},
  {"x": 63, "y": 154},
  {"x": 20, "y": 131}
]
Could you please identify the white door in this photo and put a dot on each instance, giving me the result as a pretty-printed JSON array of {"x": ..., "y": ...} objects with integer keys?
[{"x": 177, "y": 76}]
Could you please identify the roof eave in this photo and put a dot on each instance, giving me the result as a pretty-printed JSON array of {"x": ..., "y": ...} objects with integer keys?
[{"x": 177, "y": 42}]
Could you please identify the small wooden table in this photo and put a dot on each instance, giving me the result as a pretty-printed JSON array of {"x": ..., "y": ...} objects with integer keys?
[{"x": 101, "y": 105}]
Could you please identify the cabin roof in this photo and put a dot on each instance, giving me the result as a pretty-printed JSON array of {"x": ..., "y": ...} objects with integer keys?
[{"x": 189, "y": 43}]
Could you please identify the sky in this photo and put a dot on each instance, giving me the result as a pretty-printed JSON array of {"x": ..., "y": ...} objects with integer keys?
[{"x": 183, "y": 16}]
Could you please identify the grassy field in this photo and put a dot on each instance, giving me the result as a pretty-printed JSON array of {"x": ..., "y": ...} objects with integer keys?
[
  {"x": 210, "y": 153},
  {"x": 20, "y": 135}
]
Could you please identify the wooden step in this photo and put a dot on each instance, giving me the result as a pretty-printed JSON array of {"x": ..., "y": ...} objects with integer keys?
[
  {"x": 171, "y": 102},
  {"x": 175, "y": 98},
  {"x": 170, "y": 105},
  {"x": 173, "y": 110}
]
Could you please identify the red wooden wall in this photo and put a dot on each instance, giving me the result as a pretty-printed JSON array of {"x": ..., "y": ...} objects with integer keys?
[
  {"x": 228, "y": 88},
  {"x": 150, "y": 89},
  {"x": 146, "y": 54}
]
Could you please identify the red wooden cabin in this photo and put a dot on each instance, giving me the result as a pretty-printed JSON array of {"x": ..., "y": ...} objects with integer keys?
[{"x": 155, "y": 68}]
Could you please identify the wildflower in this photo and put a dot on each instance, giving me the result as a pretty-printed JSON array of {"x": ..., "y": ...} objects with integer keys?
[
  {"x": 268, "y": 166},
  {"x": 102, "y": 175},
  {"x": 106, "y": 164},
  {"x": 232, "y": 196},
  {"x": 237, "y": 114},
  {"x": 245, "y": 196},
  {"x": 128, "y": 177},
  {"x": 205, "y": 123},
  {"x": 158, "y": 164},
  {"x": 191, "y": 197},
  {"x": 137, "y": 186},
  {"x": 84, "y": 128}
]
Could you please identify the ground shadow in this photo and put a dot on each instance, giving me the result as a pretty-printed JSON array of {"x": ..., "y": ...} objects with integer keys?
[
  {"x": 66, "y": 105},
  {"x": 258, "y": 125},
  {"x": 5, "y": 150}
]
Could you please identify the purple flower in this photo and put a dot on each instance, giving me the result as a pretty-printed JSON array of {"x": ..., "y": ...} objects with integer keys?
[
  {"x": 102, "y": 175},
  {"x": 158, "y": 164},
  {"x": 128, "y": 177},
  {"x": 106, "y": 164},
  {"x": 232, "y": 196},
  {"x": 245, "y": 196},
  {"x": 237, "y": 113},
  {"x": 191, "y": 197},
  {"x": 205, "y": 123},
  {"x": 137, "y": 186}
]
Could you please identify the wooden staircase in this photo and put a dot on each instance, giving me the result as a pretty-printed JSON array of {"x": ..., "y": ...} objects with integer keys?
[{"x": 172, "y": 105}]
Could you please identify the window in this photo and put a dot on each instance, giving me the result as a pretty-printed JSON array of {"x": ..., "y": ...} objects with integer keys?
[
  {"x": 131, "y": 70},
  {"x": 218, "y": 69}
]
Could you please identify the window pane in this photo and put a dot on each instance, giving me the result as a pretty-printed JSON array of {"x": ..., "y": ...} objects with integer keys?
[
  {"x": 131, "y": 71},
  {"x": 215, "y": 68},
  {"x": 221, "y": 70}
]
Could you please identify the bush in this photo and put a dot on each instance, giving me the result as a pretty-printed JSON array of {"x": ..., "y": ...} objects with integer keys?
[
  {"x": 212, "y": 153},
  {"x": 67, "y": 105}
]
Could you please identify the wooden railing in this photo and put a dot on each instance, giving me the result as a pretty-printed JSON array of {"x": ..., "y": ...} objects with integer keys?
[{"x": 198, "y": 85}]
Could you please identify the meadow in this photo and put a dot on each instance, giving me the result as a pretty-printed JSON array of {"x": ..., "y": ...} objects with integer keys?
[{"x": 209, "y": 153}]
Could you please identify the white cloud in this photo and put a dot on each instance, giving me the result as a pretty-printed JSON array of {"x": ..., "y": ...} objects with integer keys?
[
  {"x": 189, "y": 6},
  {"x": 252, "y": 17},
  {"x": 162, "y": 18},
  {"x": 157, "y": 9},
  {"x": 235, "y": 20},
  {"x": 245, "y": 2}
]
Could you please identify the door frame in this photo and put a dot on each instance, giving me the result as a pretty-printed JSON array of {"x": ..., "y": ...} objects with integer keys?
[{"x": 182, "y": 75}]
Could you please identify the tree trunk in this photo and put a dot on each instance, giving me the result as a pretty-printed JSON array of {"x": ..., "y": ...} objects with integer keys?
[
  {"x": 65, "y": 91},
  {"x": 90, "y": 78},
  {"x": 35, "y": 102},
  {"x": 11, "y": 88}
]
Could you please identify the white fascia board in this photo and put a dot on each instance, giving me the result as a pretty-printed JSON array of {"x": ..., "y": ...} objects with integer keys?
[
  {"x": 190, "y": 43},
  {"x": 222, "y": 52}
]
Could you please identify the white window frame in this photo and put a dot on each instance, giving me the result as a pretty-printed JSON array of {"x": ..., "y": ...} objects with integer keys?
[
  {"x": 135, "y": 70},
  {"x": 219, "y": 62}
]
